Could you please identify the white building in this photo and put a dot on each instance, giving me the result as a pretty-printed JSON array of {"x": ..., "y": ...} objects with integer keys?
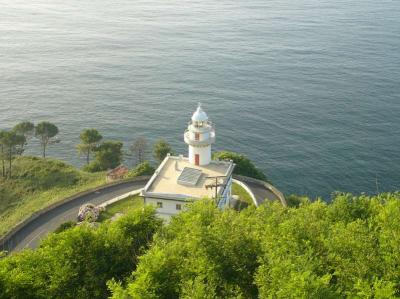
[{"x": 179, "y": 180}]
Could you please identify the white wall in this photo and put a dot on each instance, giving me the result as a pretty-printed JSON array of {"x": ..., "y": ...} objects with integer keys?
[
  {"x": 168, "y": 206},
  {"x": 204, "y": 152},
  {"x": 203, "y": 135}
]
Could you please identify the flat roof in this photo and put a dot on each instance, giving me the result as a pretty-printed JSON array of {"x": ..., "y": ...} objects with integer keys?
[{"x": 164, "y": 182}]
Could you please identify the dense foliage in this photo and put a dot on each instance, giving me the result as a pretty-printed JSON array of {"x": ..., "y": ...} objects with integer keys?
[
  {"x": 346, "y": 249},
  {"x": 77, "y": 262},
  {"x": 243, "y": 164},
  {"x": 144, "y": 168},
  {"x": 108, "y": 155},
  {"x": 90, "y": 139},
  {"x": 161, "y": 150}
]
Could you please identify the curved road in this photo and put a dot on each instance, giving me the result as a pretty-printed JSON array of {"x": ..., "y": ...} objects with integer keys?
[{"x": 29, "y": 236}]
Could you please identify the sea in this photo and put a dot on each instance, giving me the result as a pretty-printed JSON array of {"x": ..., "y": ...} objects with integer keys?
[{"x": 308, "y": 89}]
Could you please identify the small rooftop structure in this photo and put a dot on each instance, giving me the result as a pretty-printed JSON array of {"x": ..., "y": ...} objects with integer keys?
[
  {"x": 117, "y": 173},
  {"x": 178, "y": 179}
]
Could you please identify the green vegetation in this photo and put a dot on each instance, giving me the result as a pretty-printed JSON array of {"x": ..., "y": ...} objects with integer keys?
[
  {"x": 25, "y": 129},
  {"x": 161, "y": 150},
  {"x": 37, "y": 183},
  {"x": 348, "y": 248},
  {"x": 46, "y": 132},
  {"x": 122, "y": 206},
  {"x": 90, "y": 139},
  {"x": 142, "y": 169},
  {"x": 243, "y": 165},
  {"x": 245, "y": 199},
  {"x": 11, "y": 145},
  {"x": 345, "y": 249},
  {"x": 65, "y": 226},
  {"x": 108, "y": 155},
  {"x": 78, "y": 262}
]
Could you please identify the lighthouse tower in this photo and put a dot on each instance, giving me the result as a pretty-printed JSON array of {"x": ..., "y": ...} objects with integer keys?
[{"x": 199, "y": 136}]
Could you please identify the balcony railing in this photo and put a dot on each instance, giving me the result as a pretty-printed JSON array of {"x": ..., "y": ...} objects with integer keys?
[
  {"x": 208, "y": 141},
  {"x": 203, "y": 124}
]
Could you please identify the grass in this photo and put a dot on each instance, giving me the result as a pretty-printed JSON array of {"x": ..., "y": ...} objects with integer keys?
[
  {"x": 244, "y": 197},
  {"x": 122, "y": 206},
  {"x": 38, "y": 183}
]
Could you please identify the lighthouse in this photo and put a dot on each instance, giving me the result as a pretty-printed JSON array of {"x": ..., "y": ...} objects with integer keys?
[
  {"x": 180, "y": 180},
  {"x": 199, "y": 137}
]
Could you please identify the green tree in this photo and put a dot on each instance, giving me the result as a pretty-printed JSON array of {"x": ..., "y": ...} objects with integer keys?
[
  {"x": 26, "y": 129},
  {"x": 144, "y": 168},
  {"x": 78, "y": 262},
  {"x": 243, "y": 165},
  {"x": 46, "y": 133},
  {"x": 161, "y": 150},
  {"x": 107, "y": 155},
  {"x": 3, "y": 152},
  {"x": 12, "y": 144},
  {"x": 90, "y": 139},
  {"x": 203, "y": 253}
]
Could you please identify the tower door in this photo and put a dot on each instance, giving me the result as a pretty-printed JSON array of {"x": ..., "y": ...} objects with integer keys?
[{"x": 197, "y": 159}]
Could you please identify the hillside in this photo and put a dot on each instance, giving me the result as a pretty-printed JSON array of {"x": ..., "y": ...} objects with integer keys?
[
  {"x": 344, "y": 249},
  {"x": 36, "y": 183}
]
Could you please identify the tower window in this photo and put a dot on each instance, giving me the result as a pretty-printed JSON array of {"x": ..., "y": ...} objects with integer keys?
[
  {"x": 159, "y": 204},
  {"x": 197, "y": 136}
]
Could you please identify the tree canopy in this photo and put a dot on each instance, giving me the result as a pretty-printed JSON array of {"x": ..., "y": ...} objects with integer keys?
[
  {"x": 90, "y": 139},
  {"x": 161, "y": 150},
  {"x": 11, "y": 145},
  {"x": 26, "y": 129},
  {"x": 144, "y": 168},
  {"x": 347, "y": 249},
  {"x": 46, "y": 133},
  {"x": 344, "y": 249},
  {"x": 107, "y": 155},
  {"x": 243, "y": 164},
  {"x": 78, "y": 262}
]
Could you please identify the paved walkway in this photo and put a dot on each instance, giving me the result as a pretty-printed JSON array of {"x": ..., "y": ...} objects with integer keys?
[
  {"x": 30, "y": 235},
  {"x": 261, "y": 193}
]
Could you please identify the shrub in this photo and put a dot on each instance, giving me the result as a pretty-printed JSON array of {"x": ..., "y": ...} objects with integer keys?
[
  {"x": 243, "y": 165},
  {"x": 142, "y": 169},
  {"x": 107, "y": 156},
  {"x": 64, "y": 226}
]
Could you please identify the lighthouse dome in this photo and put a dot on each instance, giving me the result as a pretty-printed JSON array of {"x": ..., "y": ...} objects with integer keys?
[{"x": 199, "y": 115}]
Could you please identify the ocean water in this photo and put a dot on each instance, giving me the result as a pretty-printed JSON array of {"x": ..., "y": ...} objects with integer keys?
[{"x": 308, "y": 89}]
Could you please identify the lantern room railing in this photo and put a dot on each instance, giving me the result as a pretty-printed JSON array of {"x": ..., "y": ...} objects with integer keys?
[{"x": 194, "y": 142}]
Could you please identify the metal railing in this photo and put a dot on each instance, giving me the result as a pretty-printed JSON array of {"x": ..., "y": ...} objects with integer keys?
[{"x": 190, "y": 141}]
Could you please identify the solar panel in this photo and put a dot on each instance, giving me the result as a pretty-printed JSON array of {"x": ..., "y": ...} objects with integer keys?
[{"x": 189, "y": 176}]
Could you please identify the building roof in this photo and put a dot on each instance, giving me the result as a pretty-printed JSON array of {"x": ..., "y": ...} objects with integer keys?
[
  {"x": 199, "y": 114},
  {"x": 118, "y": 171},
  {"x": 164, "y": 183}
]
